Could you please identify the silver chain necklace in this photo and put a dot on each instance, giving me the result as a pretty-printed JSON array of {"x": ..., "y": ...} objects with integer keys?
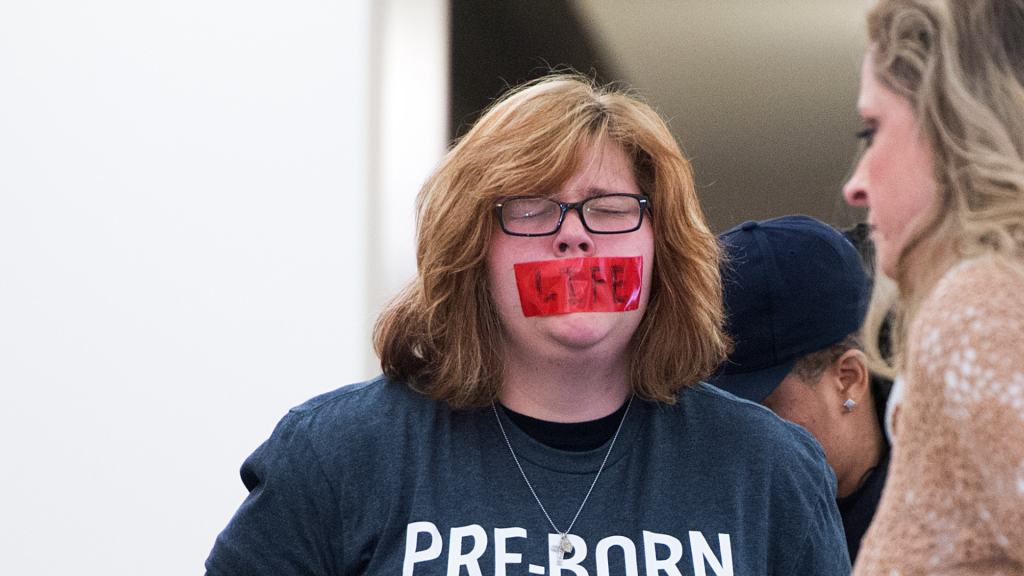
[{"x": 564, "y": 546}]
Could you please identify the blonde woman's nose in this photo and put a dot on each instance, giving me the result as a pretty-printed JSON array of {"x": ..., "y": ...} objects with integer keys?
[{"x": 855, "y": 192}]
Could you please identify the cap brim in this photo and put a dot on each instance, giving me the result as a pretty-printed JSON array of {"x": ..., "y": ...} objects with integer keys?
[{"x": 755, "y": 385}]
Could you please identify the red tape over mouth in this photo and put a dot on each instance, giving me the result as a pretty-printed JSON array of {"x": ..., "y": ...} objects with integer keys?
[{"x": 579, "y": 285}]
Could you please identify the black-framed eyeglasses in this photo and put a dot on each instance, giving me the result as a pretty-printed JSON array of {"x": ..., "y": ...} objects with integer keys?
[{"x": 607, "y": 214}]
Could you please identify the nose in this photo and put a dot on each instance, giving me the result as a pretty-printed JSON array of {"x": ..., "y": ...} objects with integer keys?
[
  {"x": 572, "y": 239},
  {"x": 855, "y": 191}
]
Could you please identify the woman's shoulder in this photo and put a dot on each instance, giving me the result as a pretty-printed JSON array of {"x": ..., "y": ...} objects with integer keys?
[
  {"x": 737, "y": 435},
  {"x": 971, "y": 322},
  {"x": 747, "y": 426},
  {"x": 367, "y": 409},
  {"x": 360, "y": 394},
  {"x": 989, "y": 282},
  {"x": 974, "y": 298},
  {"x": 717, "y": 403}
]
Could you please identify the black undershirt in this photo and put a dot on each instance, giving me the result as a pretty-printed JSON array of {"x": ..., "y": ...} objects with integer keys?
[
  {"x": 573, "y": 436},
  {"x": 859, "y": 508}
]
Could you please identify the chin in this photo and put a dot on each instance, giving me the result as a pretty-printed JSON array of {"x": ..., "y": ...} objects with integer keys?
[
  {"x": 589, "y": 329},
  {"x": 884, "y": 259}
]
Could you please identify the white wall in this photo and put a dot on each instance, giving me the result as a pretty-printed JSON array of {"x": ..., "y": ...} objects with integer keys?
[
  {"x": 189, "y": 246},
  {"x": 413, "y": 81}
]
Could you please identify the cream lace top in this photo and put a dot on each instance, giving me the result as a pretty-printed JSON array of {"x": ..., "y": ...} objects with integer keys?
[{"x": 954, "y": 500}]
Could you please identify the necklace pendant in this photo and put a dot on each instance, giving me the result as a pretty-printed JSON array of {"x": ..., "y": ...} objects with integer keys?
[{"x": 565, "y": 546}]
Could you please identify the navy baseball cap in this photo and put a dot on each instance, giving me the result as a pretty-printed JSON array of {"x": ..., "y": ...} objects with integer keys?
[{"x": 792, "y": 286}]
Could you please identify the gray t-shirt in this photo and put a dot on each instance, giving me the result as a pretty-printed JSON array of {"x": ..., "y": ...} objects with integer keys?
[{"x": 374, "y": 478}]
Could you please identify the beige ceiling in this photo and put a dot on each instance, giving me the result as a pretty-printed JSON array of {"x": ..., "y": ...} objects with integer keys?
[{"x": 761, "y": 95}]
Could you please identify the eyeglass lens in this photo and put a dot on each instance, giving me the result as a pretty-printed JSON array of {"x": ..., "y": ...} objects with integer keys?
[{"x": 539, "y": 216}]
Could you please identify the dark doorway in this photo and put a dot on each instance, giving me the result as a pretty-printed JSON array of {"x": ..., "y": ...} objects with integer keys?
[{"x": 498, "y": 44}]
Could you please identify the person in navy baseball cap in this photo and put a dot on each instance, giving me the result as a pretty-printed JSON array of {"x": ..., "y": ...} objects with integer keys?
[{"x": 796, "y": 294}]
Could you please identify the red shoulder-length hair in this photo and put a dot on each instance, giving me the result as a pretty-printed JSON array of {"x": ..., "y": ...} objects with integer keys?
[{"x": 442, "y": 333}]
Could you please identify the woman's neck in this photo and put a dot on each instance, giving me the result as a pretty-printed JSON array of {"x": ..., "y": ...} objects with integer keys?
[
  {"x": 565, "y": 390},
  {"x": 924, "y": 266}
]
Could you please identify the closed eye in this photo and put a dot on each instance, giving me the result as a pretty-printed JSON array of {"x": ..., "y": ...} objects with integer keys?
[
  {"x": 610, "y": 210},
  {"x": 867, "y": 135}
]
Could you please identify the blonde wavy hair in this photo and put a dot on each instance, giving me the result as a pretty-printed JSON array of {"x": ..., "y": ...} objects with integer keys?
[
  {"x": 960, "y": 65},
  {"x": 442, "y": 333}
]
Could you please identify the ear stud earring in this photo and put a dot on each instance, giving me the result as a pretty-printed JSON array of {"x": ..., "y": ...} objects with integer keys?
[{"x": 849, "y": 404}]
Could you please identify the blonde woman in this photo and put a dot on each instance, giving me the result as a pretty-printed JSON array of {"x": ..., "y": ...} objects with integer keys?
[
  {"x": 942, "y": 176},
  {"x": 541, "y": 410}
]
